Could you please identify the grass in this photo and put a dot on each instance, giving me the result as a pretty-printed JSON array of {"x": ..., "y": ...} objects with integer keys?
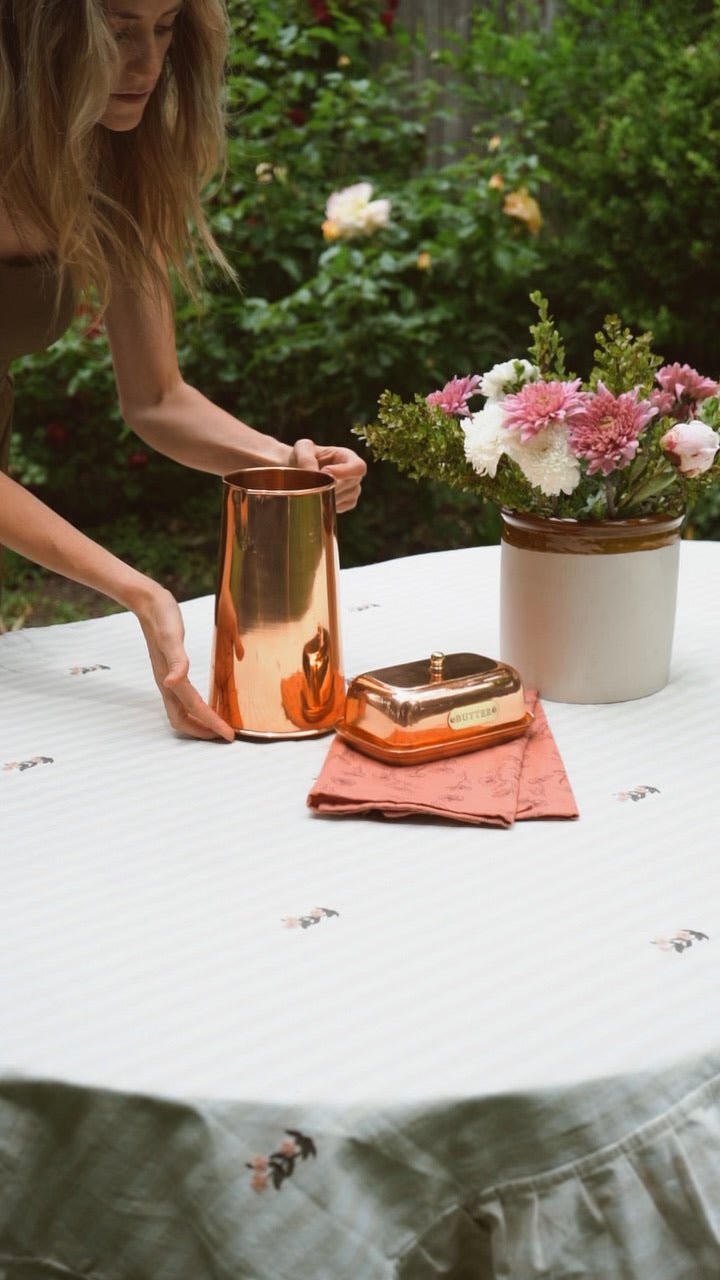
[
  {"x": 33, "y": 598},
  {"x": 181, "y": 553},
  {"x": 178, "y": 547},
  {"x": 395, "y": 517}
]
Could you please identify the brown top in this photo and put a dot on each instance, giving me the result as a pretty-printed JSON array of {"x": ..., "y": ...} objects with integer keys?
[
  {"x": 28, "y": 323},
  {"x": 27, "y": 306}
]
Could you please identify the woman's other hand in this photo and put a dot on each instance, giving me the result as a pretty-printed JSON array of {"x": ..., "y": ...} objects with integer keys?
[
  {"x": 345, "y": 466},
  {"x": 162, "y": 625}
]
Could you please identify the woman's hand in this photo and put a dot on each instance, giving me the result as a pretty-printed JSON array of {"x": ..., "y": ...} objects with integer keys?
[
  {"x": 34, "y": 531},
  {"x": 164, "y": 632},
  {"x": 346, "y": 468}
]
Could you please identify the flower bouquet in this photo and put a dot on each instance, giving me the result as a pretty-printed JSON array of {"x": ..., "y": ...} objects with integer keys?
[
  {"x": 638, "y": 438},
  {"x": 593, "y": 479}
]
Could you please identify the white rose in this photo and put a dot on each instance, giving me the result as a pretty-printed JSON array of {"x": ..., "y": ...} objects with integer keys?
[
  {"x": 354, "y": 213},
  {"x": 692, "y": 446},
  {"x": 485, "y": 439},
  {"x": 511, "y": 373}
]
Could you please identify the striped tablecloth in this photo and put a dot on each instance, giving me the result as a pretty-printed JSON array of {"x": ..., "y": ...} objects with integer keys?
[{"x": 241, "y": 1041}]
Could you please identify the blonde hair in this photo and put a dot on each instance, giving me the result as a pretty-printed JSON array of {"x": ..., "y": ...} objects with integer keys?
[{"x": 109, "y": 200}]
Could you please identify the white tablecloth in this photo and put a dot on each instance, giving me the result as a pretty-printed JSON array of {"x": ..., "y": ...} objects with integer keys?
[{"x": 501, "y": 1047}]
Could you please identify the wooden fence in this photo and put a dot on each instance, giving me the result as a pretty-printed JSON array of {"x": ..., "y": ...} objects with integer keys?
[{"x": 431, "y": 19}]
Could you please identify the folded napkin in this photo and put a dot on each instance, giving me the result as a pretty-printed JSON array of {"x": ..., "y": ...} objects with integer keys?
[{"x": 522, "y": 778}]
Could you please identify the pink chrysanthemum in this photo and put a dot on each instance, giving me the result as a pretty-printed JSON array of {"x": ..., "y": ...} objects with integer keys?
[
  {"x": 687, "y": 385},
  {"x": 453, "y": 398},
  {"x": 542, "y": 404},
  {"x": 607, "y": 432}
]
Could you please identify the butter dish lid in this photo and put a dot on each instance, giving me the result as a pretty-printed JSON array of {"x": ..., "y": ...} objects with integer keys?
[{"x": 434, "y": 707}]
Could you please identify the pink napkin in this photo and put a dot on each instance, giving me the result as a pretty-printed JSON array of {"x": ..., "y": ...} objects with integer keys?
[{"x": 522, "y": 778}]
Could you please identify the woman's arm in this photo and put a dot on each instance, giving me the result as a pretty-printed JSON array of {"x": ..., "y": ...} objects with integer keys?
[
  {"x": 180, "y": 422},
  {"x": 33, "y": 530}
]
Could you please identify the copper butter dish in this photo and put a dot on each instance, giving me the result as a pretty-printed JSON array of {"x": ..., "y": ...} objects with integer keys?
[{"x": 439, "y": 706}]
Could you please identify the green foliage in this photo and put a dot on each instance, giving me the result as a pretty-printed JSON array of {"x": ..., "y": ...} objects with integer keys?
[
  {"x": 177, "y": 548},
  {"x": 704, "y": 520},
  {"x": 317, "y": 329},
  {"x": 623, "y": 361},
  {"x": 423, "y": 441},
  {"x": 621, "y": 103},
  {"x": 609, "y": 118},
  {"x": 321, "y": 327},
  {"x": 547, "y": 349}
]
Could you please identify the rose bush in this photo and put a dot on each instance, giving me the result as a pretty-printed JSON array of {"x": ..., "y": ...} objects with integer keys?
[{"x": 566, "y": 180}]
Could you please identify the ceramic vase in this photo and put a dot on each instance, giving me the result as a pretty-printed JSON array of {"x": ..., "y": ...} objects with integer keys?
[{"x": 587, "y": 610}]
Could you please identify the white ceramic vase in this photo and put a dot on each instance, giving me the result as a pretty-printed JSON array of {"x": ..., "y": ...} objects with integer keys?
[{"x": 587, "y": 610}]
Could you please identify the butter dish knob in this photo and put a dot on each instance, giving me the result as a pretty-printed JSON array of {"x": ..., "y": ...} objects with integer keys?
[{"x": 437, "y": 660}]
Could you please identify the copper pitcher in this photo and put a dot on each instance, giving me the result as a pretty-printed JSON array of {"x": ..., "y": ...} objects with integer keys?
[{"x": 277, "y": 664}]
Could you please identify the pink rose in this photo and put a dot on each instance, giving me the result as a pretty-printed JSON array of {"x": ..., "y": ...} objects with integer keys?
[
  {"x": 321, "y": 11},
  {"x": 691, "y": 446},
  {"x": 57, "y": 433},
  {"x": 137, "y": 460}
]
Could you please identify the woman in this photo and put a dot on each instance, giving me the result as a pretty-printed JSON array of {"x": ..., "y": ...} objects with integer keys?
[{"x": 110, "y": 126}]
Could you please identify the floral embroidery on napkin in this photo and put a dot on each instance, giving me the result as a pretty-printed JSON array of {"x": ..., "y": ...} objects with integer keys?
[
  {"x": 83, "y": 671},
  {"x": 312, "y": 917},
  {"x": 680, "y": 941},
  {"x": 638, "y": 793},
  {"x": 27, "y": 764},
  {"x": 280, "y": 1164}
]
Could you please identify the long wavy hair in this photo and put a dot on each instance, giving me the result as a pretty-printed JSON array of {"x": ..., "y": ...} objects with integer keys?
[{"x": 110, "y": 201}]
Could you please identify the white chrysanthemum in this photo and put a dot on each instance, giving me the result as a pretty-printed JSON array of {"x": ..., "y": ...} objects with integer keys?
[
  {"x": 485, "y": 439},
  {"x": 546, "y": 460},
  {"x": 354, "y": 213},
  {"x": 511, "y": 373}
]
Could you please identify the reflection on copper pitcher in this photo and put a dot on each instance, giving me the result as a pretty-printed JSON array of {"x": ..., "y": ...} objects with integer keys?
[{"x": 277, "y": 662}]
